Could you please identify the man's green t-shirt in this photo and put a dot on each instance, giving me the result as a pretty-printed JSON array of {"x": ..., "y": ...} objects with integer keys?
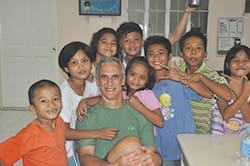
[{"x": 128, "y": 121}]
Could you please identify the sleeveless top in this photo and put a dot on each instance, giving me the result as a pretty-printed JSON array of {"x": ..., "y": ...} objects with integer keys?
[{"x": 235, "y": 125}]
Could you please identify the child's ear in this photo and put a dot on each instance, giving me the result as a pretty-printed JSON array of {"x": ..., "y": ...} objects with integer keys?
[
  {"x": 32, "y": 109},
  {"x": 123, "y": 81},
  {"x": 170, "y": 56},
  {"x": 97, "y": 82},
  {"x": 66, "y": 69},
  {"x": 205, "y": 54},
  {"x": 181, "y": 54}
]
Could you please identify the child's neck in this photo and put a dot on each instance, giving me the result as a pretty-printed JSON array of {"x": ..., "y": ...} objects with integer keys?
[
  {"x": 235, "y": 84},
  {"x": 78, "y": 86},
  {"x": 97, "y": 59},
  {"x": 128, "y": 57},
  {"x": 47, "y": 125},
  {"x": 191, "y": 69}
]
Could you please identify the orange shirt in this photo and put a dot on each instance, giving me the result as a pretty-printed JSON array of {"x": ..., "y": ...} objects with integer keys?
[{"x": 36, "y": 146}]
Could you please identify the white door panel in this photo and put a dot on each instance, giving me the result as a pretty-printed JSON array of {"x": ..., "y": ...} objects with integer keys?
[{"x": 28, "y": 39}]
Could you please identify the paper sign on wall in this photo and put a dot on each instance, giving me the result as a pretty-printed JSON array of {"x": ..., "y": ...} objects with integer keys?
[{"x": 229, "y": 32}]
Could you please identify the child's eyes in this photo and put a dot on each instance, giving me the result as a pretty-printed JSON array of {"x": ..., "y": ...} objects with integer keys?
[
  {"x": 162, "y": 52},
  {"x": 150, "y": 54},
  {"x": 235, "y": 61},
  {"x": 57, "y": 99},
  {"x": 157, "y": 53},
  {"x": 103, "y": 41},
  {"x": 240, "y": 61},
  {"x": 73, "y": 62},
  {"x": 113, "y": 44},
  {"x": 131, "y": 40},
  {"x": 43, "y": 101},
  {"x": 187, "y": 48},
  {"x": 125, "y": 41},
  {"x": 143, "y": 78},
  {"x": 85, "y": 60},
  {"x": 131, "y": 73},
  {"x": 246, "y": 60}
]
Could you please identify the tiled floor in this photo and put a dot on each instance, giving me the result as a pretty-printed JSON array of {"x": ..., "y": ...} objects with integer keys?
[{"x": 11, "y": 122}]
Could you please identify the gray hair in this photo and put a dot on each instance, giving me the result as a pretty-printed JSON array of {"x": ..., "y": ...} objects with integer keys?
[{"x": 106, "y": 59}]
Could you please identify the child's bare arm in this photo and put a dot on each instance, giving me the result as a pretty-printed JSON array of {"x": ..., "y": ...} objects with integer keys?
[
  {"x": 82, "y": 108},
  {"x": 175, "y": 74},
  {"x": 221, "y": 90},
  {"x": 240, "y": 103},
  {"x": 103, "y": 133},
  {"x": 181, "y": 26},
  {"x": 154, "y": 116},
  {"x": 201, "y": 89}
]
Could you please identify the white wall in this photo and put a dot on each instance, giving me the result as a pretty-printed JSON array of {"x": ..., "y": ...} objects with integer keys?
[
  {"x": 72, "y": 26},
  {"x": 224, "y": 8},
  {"x": 1, "y": 49}
]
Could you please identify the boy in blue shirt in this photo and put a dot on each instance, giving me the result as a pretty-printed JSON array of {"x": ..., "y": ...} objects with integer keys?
[{"x": 175, "y": 98}]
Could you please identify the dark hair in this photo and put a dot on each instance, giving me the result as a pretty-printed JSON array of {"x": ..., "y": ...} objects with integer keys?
[
  {"x": 231, "y": 55},
  {"x": 151, "y": 73},
  {"x": 157, "y": 40},
  {"x": 40, "y": 84},
  {"x": 97, "y": 36},
  {"x": 128, "y": 27},
  {"x": 69, "y": 50},
  {"x": 194, "y": 32}
]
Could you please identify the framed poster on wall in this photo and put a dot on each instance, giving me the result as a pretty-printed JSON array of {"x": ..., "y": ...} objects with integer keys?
[
  {"x": 100, "y": 7},
  {"x": 247, "y": 6},
  {"x": 229, "y": 33}
]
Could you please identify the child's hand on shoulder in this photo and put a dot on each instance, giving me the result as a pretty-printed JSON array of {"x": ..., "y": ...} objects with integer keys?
[
  {"x": 82, "y": 110},
  {"x": 90, "y": 78},
  {"x": 134, "y": 102},
  {"x": 245, "y": 87}
]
